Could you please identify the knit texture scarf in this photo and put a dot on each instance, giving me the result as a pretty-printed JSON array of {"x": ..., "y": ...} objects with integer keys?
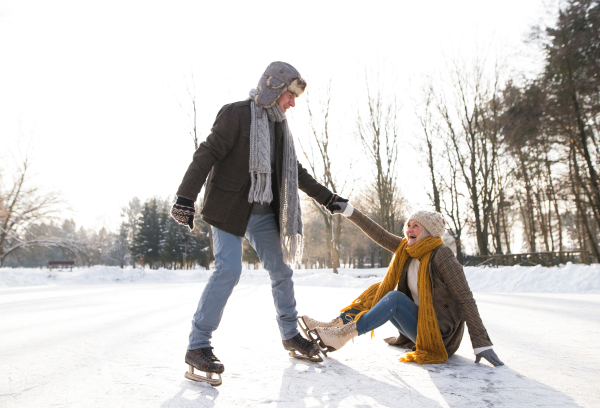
[
  {"x": 290, "y": 213},
  {"x": 430, "y": 345}
]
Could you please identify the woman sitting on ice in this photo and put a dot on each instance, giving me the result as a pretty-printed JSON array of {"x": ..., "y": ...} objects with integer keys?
[{"x": 424, "y": 294}]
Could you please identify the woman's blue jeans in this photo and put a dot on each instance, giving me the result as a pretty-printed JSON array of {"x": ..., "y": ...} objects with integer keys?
[{"x": 394, "y": 307}]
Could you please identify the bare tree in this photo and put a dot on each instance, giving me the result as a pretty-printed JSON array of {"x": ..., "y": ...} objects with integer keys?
[
  {"x": 321, "y": 168},
  {"x": 378, "y": 132},
  {"x": 190, "y": 110},
  {"x": 22, "y": 209},
  {"x": 452, "y": 201},
  {"x": 431, "y": 132},
  {"x": 475, "y": 141}
]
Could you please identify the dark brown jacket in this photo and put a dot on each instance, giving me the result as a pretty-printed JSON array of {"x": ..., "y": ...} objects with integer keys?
[
  {"x": 222, "y": 161},
  {"x": 452, "y": 298}
]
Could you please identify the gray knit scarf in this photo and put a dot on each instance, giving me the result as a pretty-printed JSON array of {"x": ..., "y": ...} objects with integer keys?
[{"x": 290, "y": 214}]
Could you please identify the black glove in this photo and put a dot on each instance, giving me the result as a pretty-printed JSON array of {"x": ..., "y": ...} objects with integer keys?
[
  {"x": 331, "y": 205},
  {"x": 183, "y": 212},
  {"x": 490, "y": 356}
]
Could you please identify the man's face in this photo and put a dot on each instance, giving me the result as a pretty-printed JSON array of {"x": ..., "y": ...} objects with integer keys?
[{"x": 286, "y": 101}]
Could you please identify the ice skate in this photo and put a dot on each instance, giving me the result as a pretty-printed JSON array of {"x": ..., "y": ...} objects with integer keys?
[
  {"x": 334, "y": 338},
  {"x": 302, "y": 349},
  {"x": 306, "y": 324},
  {"x": 203, "y": 359}
]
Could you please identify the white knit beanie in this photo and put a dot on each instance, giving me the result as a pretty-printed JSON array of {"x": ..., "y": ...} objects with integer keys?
[{"x": 433, "y": 222}]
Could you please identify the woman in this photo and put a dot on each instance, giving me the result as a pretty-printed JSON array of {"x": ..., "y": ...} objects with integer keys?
[{"x": 430, "y": 305}]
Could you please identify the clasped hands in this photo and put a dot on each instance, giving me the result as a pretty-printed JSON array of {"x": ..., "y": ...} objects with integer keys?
[{"x": 336, "y": 204}]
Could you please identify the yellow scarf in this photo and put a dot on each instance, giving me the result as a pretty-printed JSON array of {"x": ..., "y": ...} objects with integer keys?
[{"x": 430, "y": 346}]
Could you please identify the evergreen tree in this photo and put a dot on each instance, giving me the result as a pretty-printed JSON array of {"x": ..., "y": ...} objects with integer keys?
[
  {"x": 146, "y": 240},
  {"x": 198, "y": 244},
  {"x": 120, "y": 249},
  {"x": 174, "y": 239},
  {"x": 130, "y": 215}
]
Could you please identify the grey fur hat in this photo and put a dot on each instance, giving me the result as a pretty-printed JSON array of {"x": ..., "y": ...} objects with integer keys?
[
  {"x": 433, "y": 222},
  {"x": 278, "y": 78}
]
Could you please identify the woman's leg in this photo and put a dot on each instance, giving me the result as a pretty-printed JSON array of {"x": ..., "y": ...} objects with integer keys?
[
  {"x": 406, "y": 328},
  {"x": 395, "y": 307}
]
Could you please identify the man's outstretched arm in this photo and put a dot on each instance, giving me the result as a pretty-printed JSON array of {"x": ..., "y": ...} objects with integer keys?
[{"x": 312, "y": 187}]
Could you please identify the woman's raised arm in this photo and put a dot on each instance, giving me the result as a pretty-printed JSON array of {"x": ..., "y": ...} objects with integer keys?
[{"x": 374, "y": 231}]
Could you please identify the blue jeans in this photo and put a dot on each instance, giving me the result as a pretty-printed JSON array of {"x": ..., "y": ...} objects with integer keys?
[
  {"x": 263, "y": 234},
  {"x": 395, "y": 307}
]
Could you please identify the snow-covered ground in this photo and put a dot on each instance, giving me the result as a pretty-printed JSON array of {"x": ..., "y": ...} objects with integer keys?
[{"x": 106, "y": 337}]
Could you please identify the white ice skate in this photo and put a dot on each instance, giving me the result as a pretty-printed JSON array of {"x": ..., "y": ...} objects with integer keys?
[
  {"x": 334, "y": 338},
  {"x": 306, "y": 323}
]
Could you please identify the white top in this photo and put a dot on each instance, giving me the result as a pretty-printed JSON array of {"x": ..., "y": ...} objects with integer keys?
[{"x": 413, "y": 279}]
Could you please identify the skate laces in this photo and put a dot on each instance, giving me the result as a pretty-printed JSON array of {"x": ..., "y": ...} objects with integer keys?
[
  {"x": 338, "y": 331},
  {"x": 301, "y": 341},
  {"x": 208, "y": 353},
  {"x": 316, "y": 323}
]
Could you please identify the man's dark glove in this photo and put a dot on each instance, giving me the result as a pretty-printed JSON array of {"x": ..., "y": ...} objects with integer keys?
[
  {"x": 183, "y": 212},
  {"x": 331, "y": 205},
  {"x": 490, "y": 356}
]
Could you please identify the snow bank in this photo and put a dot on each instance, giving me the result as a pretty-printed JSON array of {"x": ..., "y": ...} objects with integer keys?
[{"x": 569, "y": 278}]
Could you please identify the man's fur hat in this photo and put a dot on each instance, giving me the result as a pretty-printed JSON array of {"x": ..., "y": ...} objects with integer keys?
[{"x": 278, "y": 78}]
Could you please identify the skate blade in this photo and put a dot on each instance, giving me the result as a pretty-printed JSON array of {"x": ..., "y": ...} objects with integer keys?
[
  {"x": 303, "y": 326},
  {"x": 199, "y": 378},
  {"x": 315, "y": 359},
  {"x": 314, "y": 337}
]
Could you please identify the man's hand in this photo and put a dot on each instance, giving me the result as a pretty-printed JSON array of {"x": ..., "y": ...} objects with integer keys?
[
  {"x": 336, "y": 204},
  {"x": 183, "y": 212},
  {"x": 337, "y": 207},
  {"x": 490, "y": 356}
]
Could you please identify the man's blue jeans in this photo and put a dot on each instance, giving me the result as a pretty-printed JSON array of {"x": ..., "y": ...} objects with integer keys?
[
  {"x": 395, "y": 307},
  {"x": 263, "y": 234}
]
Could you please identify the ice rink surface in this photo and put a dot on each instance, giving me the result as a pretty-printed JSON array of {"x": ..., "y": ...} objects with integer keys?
[{"x": 122, "y": 345}]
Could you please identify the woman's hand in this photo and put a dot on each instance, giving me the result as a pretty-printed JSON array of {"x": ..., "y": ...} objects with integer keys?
[{"x": 490, "y": 356}]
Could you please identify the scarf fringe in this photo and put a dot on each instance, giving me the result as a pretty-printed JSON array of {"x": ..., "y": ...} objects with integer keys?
[
  {"x": 260, "y": 188},
  {"x": 292, "y": 247}
]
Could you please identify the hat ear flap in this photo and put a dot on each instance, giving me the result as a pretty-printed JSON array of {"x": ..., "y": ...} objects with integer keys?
[{"x": 274, "y": 83}]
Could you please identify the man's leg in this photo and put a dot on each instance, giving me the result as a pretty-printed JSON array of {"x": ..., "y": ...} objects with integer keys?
[
  {"x": 228, "y": 268},
  {"x": 263, "y": 234}
]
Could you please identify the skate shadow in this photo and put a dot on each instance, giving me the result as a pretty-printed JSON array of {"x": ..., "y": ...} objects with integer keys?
[
  {"x": 195, "y": 394},
  {"x": 332, "y": 383},
  {"x": 462, "y": 383}
]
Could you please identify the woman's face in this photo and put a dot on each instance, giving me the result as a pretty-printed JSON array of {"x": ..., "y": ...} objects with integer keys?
[{"x": 413, "y": 232}]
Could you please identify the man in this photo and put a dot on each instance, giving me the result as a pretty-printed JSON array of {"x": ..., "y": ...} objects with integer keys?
[{"x": 252, "y": 178}]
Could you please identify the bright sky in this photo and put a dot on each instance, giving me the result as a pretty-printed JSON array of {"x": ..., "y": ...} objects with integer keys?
[{"x": 93, "y": 88}]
